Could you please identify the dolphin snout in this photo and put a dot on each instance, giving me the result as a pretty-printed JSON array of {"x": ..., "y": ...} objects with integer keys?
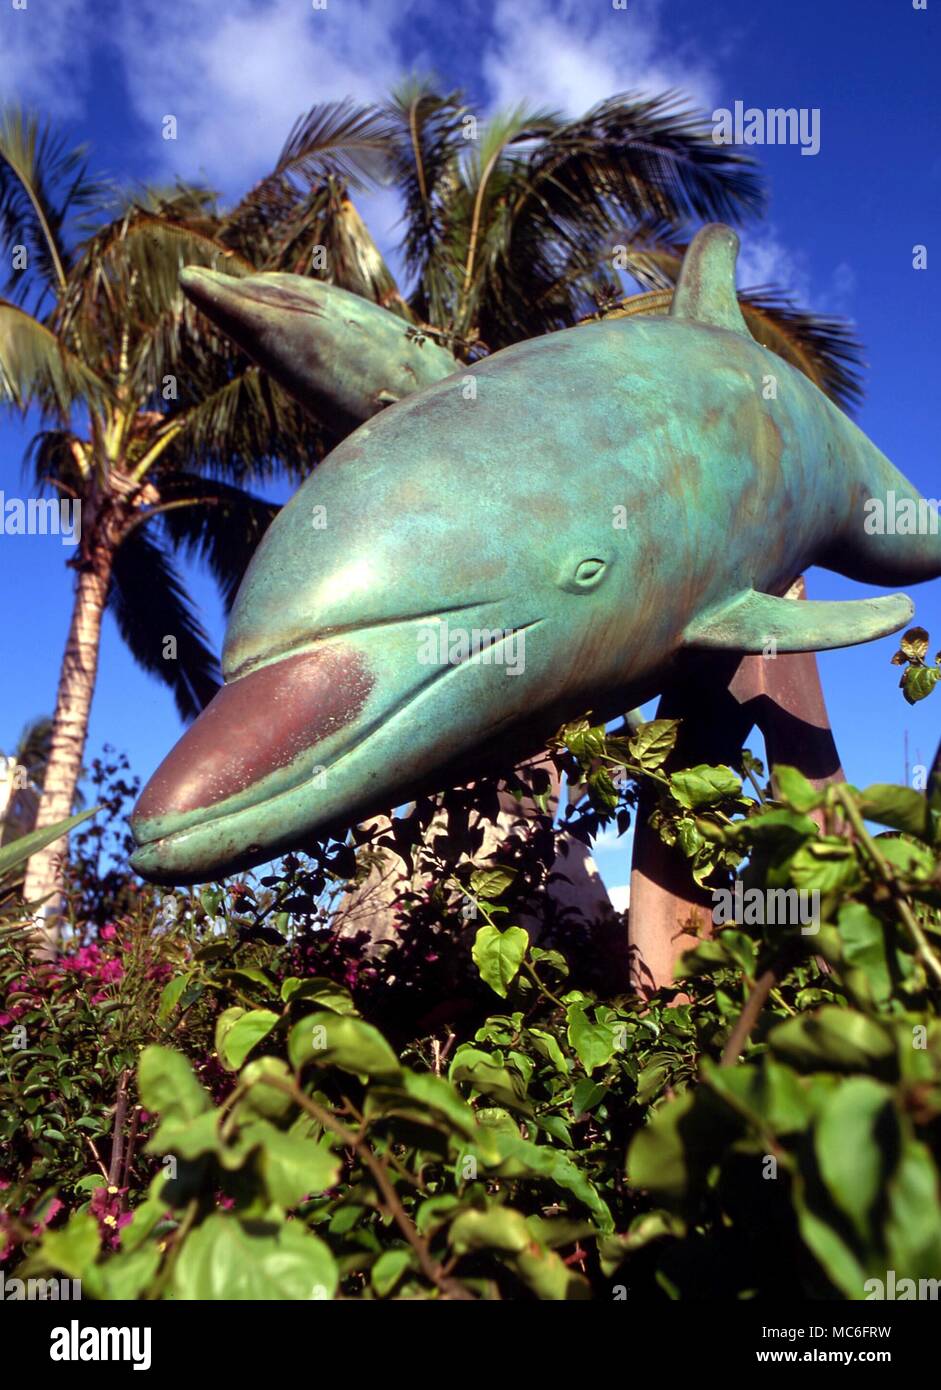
[{"x": 252, "y": 728}]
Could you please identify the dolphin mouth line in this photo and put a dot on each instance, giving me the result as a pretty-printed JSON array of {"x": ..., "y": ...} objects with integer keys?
[
  {"x": 275, "y": 654},
  {"x": 382, "y": 720},
  {"x": 272, "y": 296},
  {"x": 279, "y": 299}
]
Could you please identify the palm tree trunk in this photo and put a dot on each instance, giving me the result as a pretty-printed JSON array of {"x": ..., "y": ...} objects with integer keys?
[{"x": 44, "y": 872}]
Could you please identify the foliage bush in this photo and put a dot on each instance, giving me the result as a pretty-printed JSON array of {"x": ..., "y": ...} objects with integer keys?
[{"x": 215, "y": 1094}]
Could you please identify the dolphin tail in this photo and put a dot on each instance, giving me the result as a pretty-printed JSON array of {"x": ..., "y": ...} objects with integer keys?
[{"x": 892, "y": 534}]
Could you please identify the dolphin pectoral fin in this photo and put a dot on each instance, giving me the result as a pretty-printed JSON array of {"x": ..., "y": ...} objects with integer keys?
[
  {"x": 752, "y": 621},
  {"x": 705, "y": 291}
]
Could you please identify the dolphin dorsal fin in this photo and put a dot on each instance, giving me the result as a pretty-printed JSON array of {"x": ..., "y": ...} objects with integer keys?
[
  {"x": 750, "y": 621},
  {"x": 705, "y": 291}
]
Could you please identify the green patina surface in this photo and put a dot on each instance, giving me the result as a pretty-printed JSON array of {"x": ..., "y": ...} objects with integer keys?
[
  {"x": 591, "y": 503},
  {"x": 335, "y": 352}
]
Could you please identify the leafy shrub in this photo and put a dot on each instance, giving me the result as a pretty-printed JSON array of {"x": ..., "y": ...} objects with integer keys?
[{"x": 768, "y": 1126}]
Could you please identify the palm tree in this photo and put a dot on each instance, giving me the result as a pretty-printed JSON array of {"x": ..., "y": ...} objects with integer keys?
[
  {"x": 22, "y": 774},
  {"x": 151, "y": 425}
]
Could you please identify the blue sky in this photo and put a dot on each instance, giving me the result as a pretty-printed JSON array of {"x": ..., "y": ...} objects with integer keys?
[{"x": 839, "y": 232}]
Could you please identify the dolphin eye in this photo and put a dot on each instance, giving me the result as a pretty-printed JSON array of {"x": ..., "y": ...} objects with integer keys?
[{"x": 587, "y": 574}]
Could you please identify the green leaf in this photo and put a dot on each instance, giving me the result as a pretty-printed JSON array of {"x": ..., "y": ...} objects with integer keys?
[
  {"x": 913, "y": 1220},
  {"x": 786, "y": 827},
  {"x": 919, "y": 681},
  {"x": 252, "y": 975},
  {"x": 478, "y": 1068},
  {"x": 769, "y": 1096},
  {"x": 496, "y": 1228},
  {"x": 193, "y": 1136},
  {"x": 863, "y": 938},
  {"x": 826, "y": 865},
  {"x": 170, "y": 995},
  {"x": 656, "y": 1158},
  {"x": 388, "y": 1270},
  {"x": 125, "y": 1276},
  {"x": 320, "y": 991},
  {"x": 262, "y": 1099},
  {"x": 593, "y": 1043},
  {"x": 73, "y": 1248},
  {"x": 236, "y": 1041},
  {"x": 653, "y": 742},
  {"x": 900, "y": 807},
  {"x": 166, "y": 1083},
  {"x": 912, "y": 860},
  {"x": 521, "y": 1157},
  {"x": 19, "y": 850},
  {"x": 435, "y": 1212},
  {"x": 210, "y": 899},
  {"x": 499, "y": 955},
  {"x": 837, "y": 1258},
  {"x": 437, "y": 1095},
  {"x": 221, "y": 1261},
  {"x": 226, "y": 1021},
  {"x": 585, "y": 1096},
  {"x": 834, "y": 1039},
  {"x": 682, "y": 1140},
  {"x": 491, "y": 882},
  {"x": 704, "y": 785},
  {"x": 547, "y": 1274},
  {"x": 546, "y": 1045},
  {"x": 292, "y": 1167},
  {"x": 326, "y": 1039},
  {"x": 854, "y": 1136},
  {"x": 794, "y": 788}
]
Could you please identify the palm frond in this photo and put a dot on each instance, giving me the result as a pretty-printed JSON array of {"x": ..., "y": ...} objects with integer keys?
[
  {"x": 129, "y": 271},
  {"x": 236, "y": 424},
  {"x": 582, "y": 184},
  {"x": 425, "y": 150},
  {"x": 43, "y": 183},
  {"x": 825, "y": 348},
  {"x": 32, "y": 746},
  {"x": 632, "y": 157},
  {"x": 52, "y": 462},
  {"x": 36, "y": 368},
  {"x": 334, "y": 140},
  {"x": 150, "y": 605},
  {"x": 222, "y": 526}
]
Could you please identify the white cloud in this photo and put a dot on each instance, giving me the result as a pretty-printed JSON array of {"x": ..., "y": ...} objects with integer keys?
[
  {"x": 620, "y": 896},
  {"x": 44, "y": 55},
  {"x": 571, "y": 55},
  {"x": 764, "y": 259},
  {"x": 237, "y": 75},
  {"x": 840, "y": 296}
]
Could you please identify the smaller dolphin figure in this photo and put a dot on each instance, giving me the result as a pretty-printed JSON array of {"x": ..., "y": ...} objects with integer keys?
[
  {"x": 542, "y": 533},
  {"x": 341, "y": 356}
]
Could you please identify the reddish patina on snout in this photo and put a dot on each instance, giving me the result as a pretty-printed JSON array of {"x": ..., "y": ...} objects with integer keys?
[{"x": 256, "y": 725}]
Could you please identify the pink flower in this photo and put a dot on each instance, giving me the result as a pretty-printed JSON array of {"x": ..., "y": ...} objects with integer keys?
[
  {"x": 107, "y": 1206},
  {"x": 108, "y": 933}
]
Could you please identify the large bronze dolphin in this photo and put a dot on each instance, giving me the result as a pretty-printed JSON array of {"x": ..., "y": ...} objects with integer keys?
[{"x": 542, "y": 533}]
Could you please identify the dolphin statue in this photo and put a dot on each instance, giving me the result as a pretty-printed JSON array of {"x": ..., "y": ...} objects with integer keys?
[
  {"x": 547, "y": 531},
  {"x": 339, "y": 355}
]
